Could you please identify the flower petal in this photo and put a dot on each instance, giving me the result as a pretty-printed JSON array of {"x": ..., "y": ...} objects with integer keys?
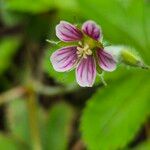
[
  {"x": 86, "y": 72},
  {"x": 68, "y": 32},
  {"x": 64, "y": 59},
  {"x": 92, "y": 29},
  {"x": 106, "y": 61}
]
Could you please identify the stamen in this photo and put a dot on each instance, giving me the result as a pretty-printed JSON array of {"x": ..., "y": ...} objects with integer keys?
[
  {"x": 89, "y": 52},
  {"x": 86, "y": 46},
  {"x": 83, "y": 51},
  {"x": 79, "y": 49},
  {"x": 80, "y": 43},
  {"x": 84, "y": 56}
]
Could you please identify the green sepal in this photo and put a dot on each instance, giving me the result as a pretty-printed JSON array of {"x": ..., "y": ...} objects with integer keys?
[
  {"x": 91, "y": 42},
  {"x": 98, "y": 69},
  {"x": 61, "y": 43},
  {"x": 65, "y": 44},
  {"x": 106, "y": 43}
]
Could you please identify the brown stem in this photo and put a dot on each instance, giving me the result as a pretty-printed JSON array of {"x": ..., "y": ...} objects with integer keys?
[
  {"x": 37, "y": 87},
  {"x": 52, "y": 91},
  {"x": 12, "y": 94}
]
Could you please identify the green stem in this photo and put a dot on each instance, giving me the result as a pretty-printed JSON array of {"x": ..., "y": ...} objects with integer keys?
[
  {"x": 102, "y": 79},
  {"x": 34, "y": 123}
]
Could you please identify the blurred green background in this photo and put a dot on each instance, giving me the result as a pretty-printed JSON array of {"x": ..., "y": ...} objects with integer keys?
[{"x": 41, "y": 109}]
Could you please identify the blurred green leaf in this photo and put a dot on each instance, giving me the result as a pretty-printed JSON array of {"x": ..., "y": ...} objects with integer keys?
[
  {"x": 143, "y": 146},
  {"x": 6, "y": 143},
  {"x": 114, "y": 114},
  {"x": 67, "y": 4},
  {"x": 18, "y": 120},
  {"x": 28, "y": 5},
  {"x": 58, "y": 127},
  {"x": 122, "y": 21},
  {"x": 8, "y": 47},
  {"x": 9, "y": 18},
  {"x": 39, "y": 6}
]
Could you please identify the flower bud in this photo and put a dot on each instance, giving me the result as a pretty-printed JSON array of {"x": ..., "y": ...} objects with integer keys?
[{"x": 125, "y": 55}]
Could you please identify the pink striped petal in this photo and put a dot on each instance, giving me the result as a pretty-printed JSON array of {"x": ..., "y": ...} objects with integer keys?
[
  {"x": 67, "y": 32},
  {"x": 106, "y": 61},
  {"x": 86, "y": 72},
  {"x": 92, "y": 29},
  {"x": 64, "y": 59}
]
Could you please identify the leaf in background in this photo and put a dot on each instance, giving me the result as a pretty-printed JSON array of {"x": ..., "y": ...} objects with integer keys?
[
  {"x": 18, "y": 122},
  {"x": 67, "y": 4},
  {"x": 147, "y": 20},
  {"x": 7, "y": 143},
  {"x": 143, "y": 146},
  {"x": 58, "y": 127},
  {"x": 39, "y": 6},
  {"x": 123, "y": 22},
  {"x": 28, "y": 5},
  {"x": 10, "y": 19},
  {"x": 8, "y": 47},
  {"x": 114, "y": 114}
]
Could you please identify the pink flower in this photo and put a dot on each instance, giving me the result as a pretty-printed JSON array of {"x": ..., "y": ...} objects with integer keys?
[{"x": 86, "y": 55}]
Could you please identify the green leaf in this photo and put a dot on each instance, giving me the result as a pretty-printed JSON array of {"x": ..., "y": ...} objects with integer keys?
[
  {"x": 17, "y": 119},
  {"x": 39, "y": 6},
  {"x": 114, "y": 114},
  {"x": 7, "y": 143},
  {"x": 58, "y": 127},
  {"x": 28, "y": 5},
  {"x": 8, "y": 47},
  {"x": 67, "y": 4},
  {"x": 10, "y": 18},
  {"x": 143, "y": 146}
]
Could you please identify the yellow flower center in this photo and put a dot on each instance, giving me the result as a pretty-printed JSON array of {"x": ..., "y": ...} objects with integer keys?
[{"x": 83, "y": 50}]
